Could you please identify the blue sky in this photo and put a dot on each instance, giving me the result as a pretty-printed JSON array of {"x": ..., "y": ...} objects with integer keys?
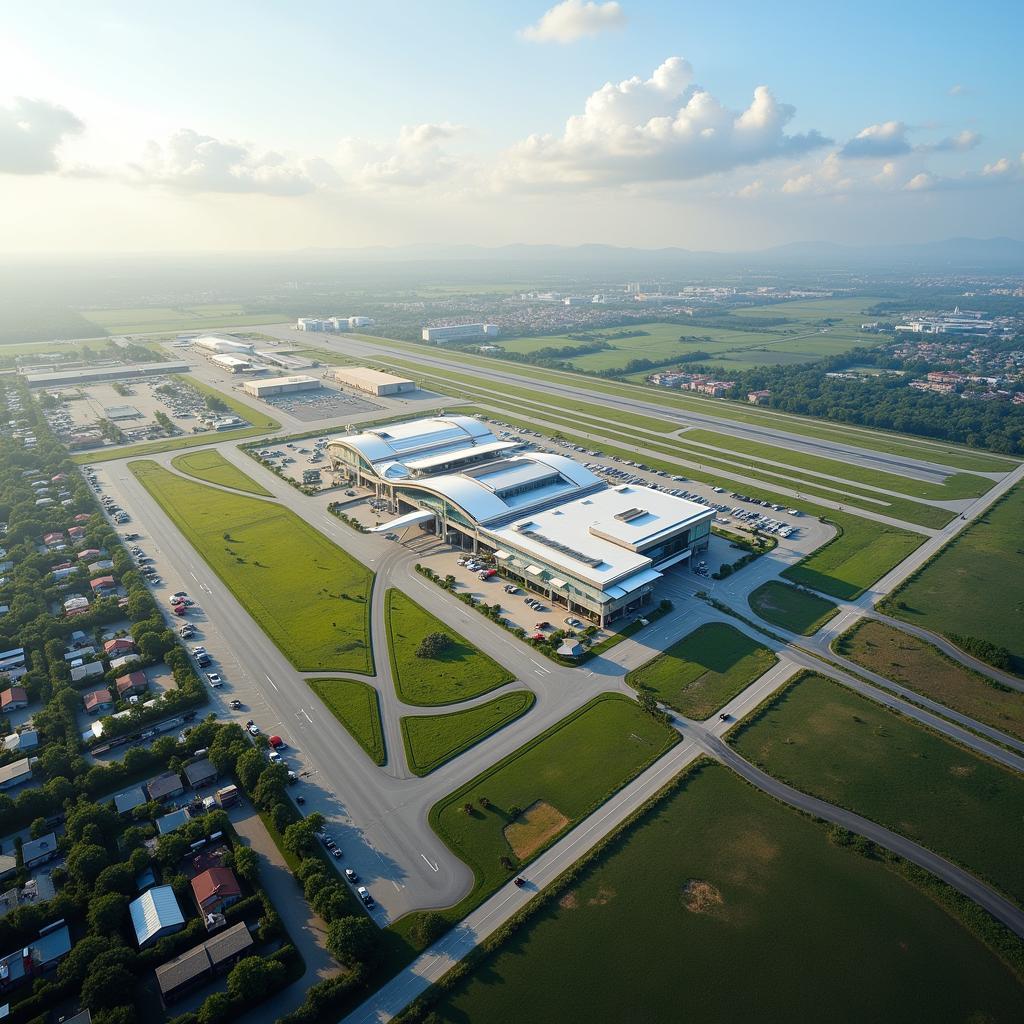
[{"x": 266, "y": 125}]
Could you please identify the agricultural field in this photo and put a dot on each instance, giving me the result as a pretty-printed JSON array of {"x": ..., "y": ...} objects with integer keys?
[
  {"x": 456, "y": 673},
  {"x": 433, "y": 740},
  {"x": 309, "y": 596},
  {"x": 211, "y": 466},
  {"x": 689, "y": 901},
  {"x": 704, "y": 670},
  {"x": 796, "y": 610},
  {"x": 830, "y": 742},
  {"x": 357, "y": 707},
  {"x": 920, "y": 667},
  {"x": 975, "y": 586},
  {"x": 143, "y": 320},
  {"x": 523, "y": 803}
]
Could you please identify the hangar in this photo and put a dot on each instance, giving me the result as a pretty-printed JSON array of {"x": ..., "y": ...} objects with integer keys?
[{"x": 280, "y": 386}]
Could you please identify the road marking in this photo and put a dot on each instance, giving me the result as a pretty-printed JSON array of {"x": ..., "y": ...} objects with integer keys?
[
  {"x": 430, "y": 864},
  {"x": 194, "y": 576},
  {"x": 272, "y": 683},
  {"x": 305, "y": 714}
]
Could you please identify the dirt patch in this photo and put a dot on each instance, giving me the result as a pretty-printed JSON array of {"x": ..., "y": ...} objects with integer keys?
[
  {"x": 760, "y": 847},
  {"x": 534, "y": 827},
  {"x": 700, "y": 897},
  {"x": 569, "y": 901},
  {"x": 603, "y": 897},
  {"x": 961, "y": 771}
]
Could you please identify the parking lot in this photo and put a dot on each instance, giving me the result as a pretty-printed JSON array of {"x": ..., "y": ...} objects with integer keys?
[
  {"x": 294, "y": 459},
  {"x": 309, "y": 406}
]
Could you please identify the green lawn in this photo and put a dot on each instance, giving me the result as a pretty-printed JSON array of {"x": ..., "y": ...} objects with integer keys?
[
  {"x": 790, "y": 928},
  {"x": 793, "y": 609},
  {"x": 975, "y": 587},
  {"x": 919, "y": 666},
  {"x": 310, "y": 597},
  {"x": 433, "y": 740},
  {"x": 574, "y": 766},
  {"x": 828, "y": 741},
  {"x": 459, "y": 673},
  {"x": 211, "y": 466},
  {"x": 357, "y": 707},
  {"x": 147, "y": 320},
  {"x": 862, "y": 553},
  {"x": 704, "y": 670}
]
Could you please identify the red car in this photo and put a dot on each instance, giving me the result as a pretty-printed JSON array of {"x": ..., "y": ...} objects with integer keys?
[
  {"x": 276, "y": 741},
  {"x": 181, "y": 609},
  {"x": 486, "y": 574}
]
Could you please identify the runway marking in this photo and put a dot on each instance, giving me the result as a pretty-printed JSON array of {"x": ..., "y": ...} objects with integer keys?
[
  {"x": 272, "y": 683},
  {"x": 430, "y": 864},
  {"x": 194, "y": 576}
]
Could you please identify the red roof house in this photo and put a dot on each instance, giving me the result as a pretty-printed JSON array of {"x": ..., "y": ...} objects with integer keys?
[
  {"x": 119, "y": 645},
  {"x": 215, "y": 889},
  {"x": 103, "y": 583},
  {"x": 97, "y": 701},
  {"x": 14, "y": 698},
  {"x": 134, "y": 682}
]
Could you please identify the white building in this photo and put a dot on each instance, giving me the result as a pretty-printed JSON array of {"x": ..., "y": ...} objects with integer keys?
[
  {"x": 280, "y": 385},
  {"x": 958, "y": 322},
  {"x": 224, "y": 345},
  {"x": 373, "y": 382},
  {"x": 333, "y": 323},
  {"x": 233, "y": 364},
  {"x": 459, "y": 332},
  {"x": 552, "y": 525}
]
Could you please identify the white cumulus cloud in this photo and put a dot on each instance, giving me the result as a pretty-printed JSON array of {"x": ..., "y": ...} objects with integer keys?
[
  {"x": 31, "y": 132},
  {"x": 417, "y": 157},
  {"x": 574, "y": 19},
  {"x": 663, "y": 128},
  {"x": 878, "y": 140},
  {"x": 190, "y": 162}
]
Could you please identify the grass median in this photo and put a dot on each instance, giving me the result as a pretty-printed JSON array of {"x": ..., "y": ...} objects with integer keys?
[
  {"x": 713, "y": 889},
  {"x": 309, "y": 596},
  {"x": 796, "y": 610},
  {"x": 705, "y": 670},
  {"x": 455, "y": 673},
  {"x": 433, "y": 740},
  {"x": 834, "y": 744},
  {"x": 211, "y": 466},
  {"x": 357, "y": 707}
]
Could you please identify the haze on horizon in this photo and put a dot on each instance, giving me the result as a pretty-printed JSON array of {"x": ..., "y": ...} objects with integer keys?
[{"x": 267, "y": 128}]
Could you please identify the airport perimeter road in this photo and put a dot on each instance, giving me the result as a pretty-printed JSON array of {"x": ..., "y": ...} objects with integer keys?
[{"x": 921, "y": 469}]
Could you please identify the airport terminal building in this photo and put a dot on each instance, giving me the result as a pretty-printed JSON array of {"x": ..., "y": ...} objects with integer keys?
[{"x": 551, "y": 524}]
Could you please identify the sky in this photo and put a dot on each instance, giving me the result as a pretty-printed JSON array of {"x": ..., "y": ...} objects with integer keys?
[{"x": 259, "y": 126}]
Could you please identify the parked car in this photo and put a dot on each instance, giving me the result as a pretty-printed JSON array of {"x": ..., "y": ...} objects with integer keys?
[
  {"x": 364, "y": 894},
  {"x": 573, "y": 622},
  {"x": 236, "y": 704},
  {"x": 276, "y": 742},
  {"x": 214, "y": 680},
  {"x": 254, "y": 730},
  {"x": 351, "y": 876}
]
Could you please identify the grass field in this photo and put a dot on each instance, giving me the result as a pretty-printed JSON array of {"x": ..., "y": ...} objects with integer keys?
[
  {"x": 211, "y": 466},
  {"x": 357, "y": 707},
  {"x": 704, "y": 670},
  {"x": 309, "y": 596},
  {"x": 793, "y": 609},
  {"x": 574, "y": 766},
  {"x": 719, "y": 901},
  {"x": 828, "y": 741},
  {"x": 975, "y": 587},
  {"x": 148, "y": 320},
  {"x": 433, "y": 740},
  {"x": 458, "y": 673},
  {"x": 920, "y": 667},
  {"x": 847, "y": 565}
]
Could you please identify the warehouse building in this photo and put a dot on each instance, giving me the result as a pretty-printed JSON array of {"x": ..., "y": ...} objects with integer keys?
[
  {"x": 233, "y": 364},
  {"x": 99, "y": 374},
  {"x": 459, "y": 332},
  {"x": 280, "y": 386},
  {"x": 373, "y": 382},
  {"x": 551, "y": 524},
  {"x": 224, "y": 344}
]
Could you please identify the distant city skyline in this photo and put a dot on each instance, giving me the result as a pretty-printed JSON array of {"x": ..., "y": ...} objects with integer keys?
[{"x": 266, "y": 127}]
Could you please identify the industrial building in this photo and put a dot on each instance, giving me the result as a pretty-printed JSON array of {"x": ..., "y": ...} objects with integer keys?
[
  {"x": 233, "y": 364},
  {"x": 280, "y": 386},
  {"x": 224, "y": 344},
  {"x": 459, "y": 332},
  {"x": 373, "y": 382},
  {"x": 551, "y": 524},
  {"x": 99, "y": 374},
  {"x": 332, "y": 323}
]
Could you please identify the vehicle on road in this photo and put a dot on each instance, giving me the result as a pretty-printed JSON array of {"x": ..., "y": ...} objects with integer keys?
[
  {"x": 300, "y": 800},
  {"x": 351, "y": 876},
  {"x": 275, "y": 757},
  {"x": 254, "y": 730},
  {"x": 214, "y": 679},
  {"x": 520, "y": 882},
  {"x": 236, "y": 703},
  {"x": 276, "y": 741},
  {"x": 724, "y": 716},
  {"x": 543, "y": 624},
  {"x": 336, "y": 853},
  {"x": 364, "y": 894}
]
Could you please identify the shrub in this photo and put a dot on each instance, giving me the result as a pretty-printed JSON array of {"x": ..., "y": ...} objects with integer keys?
[{"x": 433, "y": 645}]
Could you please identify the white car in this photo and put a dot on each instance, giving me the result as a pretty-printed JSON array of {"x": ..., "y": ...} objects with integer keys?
[{"x": 254, "y": 730}]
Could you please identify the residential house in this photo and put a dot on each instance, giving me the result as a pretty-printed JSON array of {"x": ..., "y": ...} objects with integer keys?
[
  {"x": 13, "y": 699},
  {"x": 129, "y": 799},
  {"x": 87, "y": 670},
  {"x": 155, "y": 914},
  {"x": 15, "y": 773},
  {"x": 168, "y": 823},
  {"x": 38, "y": 957},
  {"x": 126, "y": 659},
  {"x": 97, "y": 702},
  {"x": 759, "y": 397},
  {"x": 215, "y": 956},
  {"x": 164, "y": 786},
  {"x": 39, "y": 851},
  {"x": 119, "y": 645},
  {"x": 76, "y": 605},
  {"x": 76, "y": 532},
  {"x": 215, "y": 890},
  {"x": 134, "y": 682},
  {"x": 101, "y": 565},
  {"x": 200, "y": 773},
  {"x": 26, "y": 740},
  {"x": 89, "y": 553},
  {"x": 53, "y": 540}
]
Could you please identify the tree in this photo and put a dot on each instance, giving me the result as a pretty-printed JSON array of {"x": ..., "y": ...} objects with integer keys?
[
  {"x": 76, "y": 964},
  {"x": 216, "y": 1008},
  {"x": 270, "y": 787},
  {"x": 352, "y": 940},
  {"x": 330, "y": 902},
  {"x": 86, "y": 861},
  {"x": 170, "y": 849},
  {"x": 38, "y": 828},
  {"x": 281, "y": 816},
  {"x": 109, "y": 982},
  {"x": 117, "y": 1015},
  {"x": 247, "y": 864},
  {"x": 428, "y": 928},
  {"x": 300, "y": 837},
  {"x": 107, "y": 913},
  {"x": 115, "y": 878},
  {"x": 248, "y": 767},
  {"x": 253, "y": 978},
  {"x": 433, "y": 645}
]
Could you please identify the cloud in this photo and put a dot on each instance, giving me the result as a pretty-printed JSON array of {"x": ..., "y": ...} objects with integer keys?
[
  {"x": 958, "y": 143},
  {"x": 416, "y": 158},
  {"x": 659, "y": 129},
  {"x": 573, "y": 19},
  {"x": 959, "y": 90},
  {"x": 190, "y": 162},
  {"x": 31, "y": 131},
  {"x": 878, "y": 140},
  {"x": 923, "y": 182}
]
